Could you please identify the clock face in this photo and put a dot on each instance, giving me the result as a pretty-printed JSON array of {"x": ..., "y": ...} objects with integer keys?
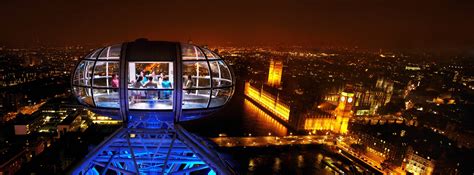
[
  {"x": 349, "y": 99},
  {"x": 343, "y": 98}
]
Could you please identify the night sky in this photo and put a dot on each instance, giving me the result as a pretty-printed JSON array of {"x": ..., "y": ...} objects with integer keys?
[{"x": 384, "y": 24}]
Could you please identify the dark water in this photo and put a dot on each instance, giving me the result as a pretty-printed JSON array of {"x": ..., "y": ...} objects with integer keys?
[
  {"x": 282, "y": 160},
  {"x": 238, "y": 118}
]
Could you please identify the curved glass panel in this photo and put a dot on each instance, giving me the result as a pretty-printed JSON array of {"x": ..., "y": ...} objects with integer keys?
[
  {"x": 216, "y": 56},
  {"x": 196, "y": 74},
  {"x": 84, "y": 95},
  {"x": 106, "y": 74},
  {"x": 83, "y": 73},
  {"x": 221, "y": 75},
  {"x": 111, "y": 52},
  {"x": 220, "y": 97},
  {"x": 150, "y": 99},
  {"x": 89, "y": 55},
  {"x": 196, "y": 99},
  {"x": 115, "y": 51},
  {"x": 104, "y": 53},
  {"x": 209, "y": 54},
  {"x": 94, "y": 54},
  {"x": 108, "y": 98},
  {"x": 190, "y": 52}
]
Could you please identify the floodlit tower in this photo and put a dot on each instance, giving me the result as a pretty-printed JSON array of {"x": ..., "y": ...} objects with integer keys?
[
  {"x": 153, "y": 86},
  {"x": 274, "y": 73},
  {"x": 343, "y": 110}
]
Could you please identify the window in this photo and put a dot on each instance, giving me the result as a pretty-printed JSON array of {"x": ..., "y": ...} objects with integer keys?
[
  {"x": 150, "y": 85},
  {"x": 107, "y": 98},
  {"x": 220, "y": 97},
  {"x": 115, "y": 50},
  {"x": 191, "y": 52},
  {"x": 199, "y": 90},
  {"x": 83, "y": 73},
  {"x": 198, "y": 73},
  {"x": 111, "y": 52},
  {"x": 221, "y": 76},
  {"x": 209, "y": 54},
  {"x": 106, "y": 74},
  {"x": 196, "y": 84},
  {"x": 195, "y": 99},
  {"x": 84, "y": 95},
  {"x": 94, "y": 54}
]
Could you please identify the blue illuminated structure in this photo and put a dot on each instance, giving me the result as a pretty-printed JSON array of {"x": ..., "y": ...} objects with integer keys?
[{"x": 153, "y": 86}]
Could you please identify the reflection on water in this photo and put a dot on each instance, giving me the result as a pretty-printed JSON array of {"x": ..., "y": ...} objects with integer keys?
[
  {"x": 269, "y": 123},
  {"x": 251, "y": 165},
  {"x": 239, "y": 117},
  {"x": 281, "y": 160},
  {"x": 319, "y": 158},
  {"x": 300, "y": 161},
  {"x": 269, "y": 101},
  {"x": 276, "y": 165}
]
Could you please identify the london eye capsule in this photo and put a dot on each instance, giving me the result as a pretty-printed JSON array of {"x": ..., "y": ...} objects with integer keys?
[{"x": 153, "y": 80}]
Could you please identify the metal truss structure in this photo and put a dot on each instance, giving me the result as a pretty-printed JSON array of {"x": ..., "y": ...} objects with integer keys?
[{"x": 157, "y": 148}]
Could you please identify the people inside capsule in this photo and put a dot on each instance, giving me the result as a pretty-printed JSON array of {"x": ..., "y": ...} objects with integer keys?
[
  {"x": 115, "y": 82},
  {"x": 145, "y": 79},
  {"x": 166, "y": 84},
  {"x": 188, "y": 84},
  {"x": 160, "y": 78},
  {"x": 136, "y": 94}
]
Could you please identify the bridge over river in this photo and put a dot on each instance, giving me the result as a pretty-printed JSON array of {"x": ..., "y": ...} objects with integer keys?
[{"x": 273, "y": 140}]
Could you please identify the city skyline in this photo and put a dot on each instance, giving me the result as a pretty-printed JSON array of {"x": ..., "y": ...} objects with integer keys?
[
  {"x": 374, "y": 107},
  {"x": 220, "y": 87}
]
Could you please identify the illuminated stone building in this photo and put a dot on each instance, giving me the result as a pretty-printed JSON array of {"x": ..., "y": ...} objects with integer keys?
[
  {"x": 415, "y": 163},
  {"x": 386, "y": 87},
  {"x": 274, "y": 73},
  {"x": 369, "y": 100},
  {"x": 301, "y": 117},
  {"x": 269, "y": 101},
  {"x": 412, "y": 149},
  {"x": 391, "y": 147},
  {"x": 318, "y": 120},
  {"x": 327, "y": 117},
  {"x": 300, "y": 113},
  {"x": 51, "y": 118},
  {"x": 14, "y": 158},
  {"x": 344, "y": 111}
]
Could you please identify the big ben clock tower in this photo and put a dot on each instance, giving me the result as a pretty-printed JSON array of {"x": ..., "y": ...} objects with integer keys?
[{"x": 343, "y": 110}]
